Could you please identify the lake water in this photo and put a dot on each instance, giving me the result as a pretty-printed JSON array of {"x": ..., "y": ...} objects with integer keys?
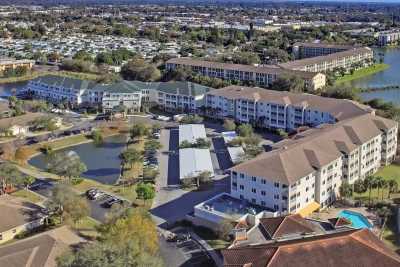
[
  {"x": 388, "y": 77},
  {"x": 9, "y": 89},
  {"x": 102, "y": 162}
]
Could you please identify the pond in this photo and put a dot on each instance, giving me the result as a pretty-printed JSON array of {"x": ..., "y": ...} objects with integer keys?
[
  {"x": 103, "y": 163},
  {"x": 8, "y": 89}
]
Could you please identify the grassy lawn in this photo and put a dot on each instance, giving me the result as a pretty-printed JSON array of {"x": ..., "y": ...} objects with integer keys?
[
  {"x": 27, "y": 195},
  {"x": 388, "y": 172},
  {"x": 87, "y": 227},
  {"x": 362, "y": 73},
  {"x": 137, "y": 168}
]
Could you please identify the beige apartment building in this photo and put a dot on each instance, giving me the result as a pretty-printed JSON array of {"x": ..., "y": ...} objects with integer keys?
[
  {"x": 260, "y": 75},
  {"x": 9, "y": 63},
  {"x": 362, "y": 56},
  {"x": 306, "y": 172},
  {"x": 279, "y": 110},
  {"x": 307, "y": 50}
]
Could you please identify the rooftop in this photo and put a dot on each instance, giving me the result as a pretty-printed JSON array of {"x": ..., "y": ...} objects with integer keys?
[
  {"x": 339, "y": 108},
  {"x": 347, "y": 248},
  {"x": 315, "y": 149},
  {"x": 39, "y": 250},
  {"x": 17, "y": 212},
  {"x": 193, "y": 161},
  {"x": 191, "y": 132},
  {"x": 317, "y": 60}
]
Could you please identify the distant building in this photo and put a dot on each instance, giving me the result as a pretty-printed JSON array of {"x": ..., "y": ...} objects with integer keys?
[
  {"x": 362, "y": 56},
  {"x": 20, "y": 125},
  {"x": 388, "y": 37},
  {"x": 260, "y": 75},
  {"x": 10, "y": 63},
  {"x": 307, "y": 50}
]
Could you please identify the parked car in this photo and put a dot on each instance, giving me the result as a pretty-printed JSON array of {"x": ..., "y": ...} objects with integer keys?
[{"x": 109, "y": 203}]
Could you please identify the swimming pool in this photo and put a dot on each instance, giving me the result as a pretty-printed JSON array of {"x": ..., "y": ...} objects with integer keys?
[{"x": 357, "y": 219}]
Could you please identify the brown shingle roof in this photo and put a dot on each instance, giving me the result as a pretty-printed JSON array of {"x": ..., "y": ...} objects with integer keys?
[
  {"x": 39, "y": 250},
  {"x": 18, "y": 212},
  {"x": 279, "y": 227},
  {"x": 341, "y": 109},
  {"x": 300, "y": 157},
  {"x": 270, "y": 69},
  {"x": 296, "y": 64},
  {"x": 358, "y": 248}
]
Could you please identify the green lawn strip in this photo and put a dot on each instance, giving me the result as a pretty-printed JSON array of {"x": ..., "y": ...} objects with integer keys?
[
  {"x": 388, "y": 172},
  {"x": 27, "y": 195},
  {"x": 363, "y": 72}
]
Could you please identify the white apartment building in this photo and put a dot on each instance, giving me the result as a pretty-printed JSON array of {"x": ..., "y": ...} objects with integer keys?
[
  {"x": 309, "y": 169},
  {"x": 129, "y": 95},
  {"x": 362, "y": 56},
  {"x": 278, "y": 110},
  {"x": 260, "y": 75}
]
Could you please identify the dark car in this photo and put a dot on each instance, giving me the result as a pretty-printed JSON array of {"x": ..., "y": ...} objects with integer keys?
[{"x": 109, "y": 203}]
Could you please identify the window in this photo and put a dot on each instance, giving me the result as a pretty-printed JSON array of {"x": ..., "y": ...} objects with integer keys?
[
  {"x": 263, "y": 193},
  {"x": 263, "y": 181},
  {"x": 241, "y": 187},
  {"x": 262, "y": 203},
  {"x": 253, "y": 200},
  {"x": 276, "y": 184},
  {"x": 254, "y": 190},
  {"x": 241, "y": 175},
  {"x": 276, "y": 207},
  {"x": 254, "y": 179},
  {"x": 276, "y": 196}
]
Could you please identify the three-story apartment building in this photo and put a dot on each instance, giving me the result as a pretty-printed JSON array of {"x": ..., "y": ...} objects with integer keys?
[
  {"x": 259, "y": 75},
  {"x": 130, "y": 95}
]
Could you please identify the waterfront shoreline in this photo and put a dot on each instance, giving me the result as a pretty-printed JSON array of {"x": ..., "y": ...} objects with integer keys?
[{"x": 361, "y": 73}]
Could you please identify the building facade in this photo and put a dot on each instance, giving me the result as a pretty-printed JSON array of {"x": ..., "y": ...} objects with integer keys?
[
  {"x": 261, "y": 75},
  {"x": 355, "y": 57},
  {"x": 307, "y": 50},
  {"x": 388, "y": 37},
  {"x": 310, "y": 168},
  {"x": 10, "y": 63},
  {"x": 128, "y": 95},
  {"x": 278, "y": 110}
]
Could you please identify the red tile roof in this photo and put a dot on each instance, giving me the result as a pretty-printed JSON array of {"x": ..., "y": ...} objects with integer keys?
[{"x": 356, "y": 248}]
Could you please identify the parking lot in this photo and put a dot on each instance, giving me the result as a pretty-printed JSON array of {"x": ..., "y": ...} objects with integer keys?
[
  {"x": 184, "y": 252},
  {"x": 98, "y": 210}
]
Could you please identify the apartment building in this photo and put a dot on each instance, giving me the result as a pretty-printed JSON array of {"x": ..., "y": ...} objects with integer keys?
[
  {"x": 260, "y": 75},
  {"x": 307, "y": 50},
  {"x": 309, "y": 169},
  {"x": 278, "y": 110},
  {"x": 10, "y": 63},
  {"x": 131, "y": 95},
  {"x": 388, "y": 37},
  {"x": 362, "y": 56}
]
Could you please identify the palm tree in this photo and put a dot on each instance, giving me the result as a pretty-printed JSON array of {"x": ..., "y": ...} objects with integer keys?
[
  {"x": 379, "y": 183},
  {"x": 393, "y": 186},
  {"x": 370, "y": 182}
]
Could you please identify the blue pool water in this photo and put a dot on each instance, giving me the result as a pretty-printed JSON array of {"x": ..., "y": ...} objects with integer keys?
[{"x": 357, "y": 220}]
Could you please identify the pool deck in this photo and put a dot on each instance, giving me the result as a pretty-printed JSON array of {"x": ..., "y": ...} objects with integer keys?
[{"x": 334, "y": 212}]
